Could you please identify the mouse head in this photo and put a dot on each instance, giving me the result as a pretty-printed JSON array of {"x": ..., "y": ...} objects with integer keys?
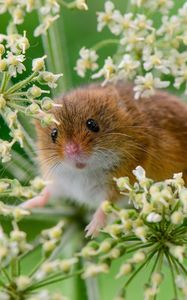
[{"x": 91, "y": 130}]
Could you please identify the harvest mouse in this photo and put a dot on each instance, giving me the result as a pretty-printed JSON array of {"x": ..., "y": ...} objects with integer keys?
[{"x": 105, "y": 133}]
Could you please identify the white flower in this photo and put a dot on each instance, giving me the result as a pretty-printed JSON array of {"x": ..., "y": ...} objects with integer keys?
[
  {"x": 145, "y": 85},
  {"x": 87, "y": 61},
  {"x": 125, "y": 269},
  {"x": 108, "y": 71},
  {"x": 178, "y": 252},
  {"x": 38, "y": 64},
  {"x": 169, "y": 27},
  {"x": 139, "y": 173},
  {"x": 51, "y": 6},
  {"x": 142, "y": 23},
  {"x": 6, "y": 5},
  {"x": 154, "y": 218},
  {"x": 5, "y": 148},
  {"x": 122, "y": 23},
  {"x": 129, "y": 66},
  {"x": 106, "y": 18},
  {"x": 93, "y": 269},
  {"x": 50, "y": 79},
  {"x": 177, "y": 60},
  {"x": 18, "y": 15},
  {"x": 181, "y": 77},
  {"x": 15, "y": 64},
  {"x": 132, "y": 40},
  {"x": 47, "y": 22},
  {"x": 155, "y": 60}
]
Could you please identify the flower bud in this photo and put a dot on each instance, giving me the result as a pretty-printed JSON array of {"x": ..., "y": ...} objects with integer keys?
[
  {"x": 156, "y": 279},
  {"x": 17, "y": 235},
  {"x": 33, "y": 108},
  {"x": 106, "y": 207},
  {"x": 22, "y": 282},
  {"x": 23, "y": 43},
  {"x": 49, "y": 246},
  {"x": 3, "y": 65},
  {"x": 47, "y": 103},
  {"x": 123, "y": 183},
  {"x": 34, "y": 92},
  {"x": 154, "y": 218},
  {"x": 177, "y": 217},
  {"x": 138, "y": 257},
  {"x": 38, "y": 64},
  {"x": 2, "y": 102},
  {"x": 2, "y": 50},
  {"x": 105, "y": 246},
  {"x": 125, "y": 270},
  {"x": 81, "y": 4}
]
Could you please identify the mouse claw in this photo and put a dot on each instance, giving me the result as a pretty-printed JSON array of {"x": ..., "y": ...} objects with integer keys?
[{"x": 98, "y": 222}]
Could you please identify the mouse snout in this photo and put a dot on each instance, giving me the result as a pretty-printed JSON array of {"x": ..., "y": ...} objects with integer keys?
[{"x": 72, "y": 149}]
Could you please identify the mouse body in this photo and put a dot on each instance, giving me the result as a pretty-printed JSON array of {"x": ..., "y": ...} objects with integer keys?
[{"x": 104, "y": 133}]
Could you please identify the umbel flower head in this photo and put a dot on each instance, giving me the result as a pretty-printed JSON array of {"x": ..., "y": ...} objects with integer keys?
[
  {"x": 26, "y": 96},
  {"x": 153, "y": 231},
  {"x": 146, "y": 51}
]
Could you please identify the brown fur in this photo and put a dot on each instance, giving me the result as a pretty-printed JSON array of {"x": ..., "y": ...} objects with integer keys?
[{"x": 149, "y": 132}]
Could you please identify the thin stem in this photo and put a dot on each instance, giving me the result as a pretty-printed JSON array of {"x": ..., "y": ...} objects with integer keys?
[
  {"x": 5, "y": 81},
  {"x": 172, "y": 275},
  {"x": 37, "y": 267},
  {"x": 55, "y": 280},
  {"x": 105, "y": 43},
  {"x": 21, "y": 84},
  {"x": 139, "y": 269}
]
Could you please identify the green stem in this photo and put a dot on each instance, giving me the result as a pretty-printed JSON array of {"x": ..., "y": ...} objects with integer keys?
[
  {"x": 105, "y": 43},
  {"x": 55, "y": 280},
  {"x": 139, "y": 269},
  {"x": 5, "y": 81},
  {"x": 21, "y": 84},
  {"x": 37, "y": 267},
  {"x": 172, "y": 275}
]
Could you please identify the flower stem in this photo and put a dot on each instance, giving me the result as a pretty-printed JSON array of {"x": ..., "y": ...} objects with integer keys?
[
  {"x": 172, "y": 274},
  {"x": 21, "y": 84},
  {"x": 105, "y": 43},
  {"x": 55, "y": 280},
  {"x": 5, "y": 80}
]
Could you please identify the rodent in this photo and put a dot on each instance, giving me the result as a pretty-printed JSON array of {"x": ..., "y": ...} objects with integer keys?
[{"x": 105, "y": 133}]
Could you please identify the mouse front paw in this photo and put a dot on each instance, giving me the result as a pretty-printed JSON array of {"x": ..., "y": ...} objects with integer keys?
[{"x": 98, "y": 222}]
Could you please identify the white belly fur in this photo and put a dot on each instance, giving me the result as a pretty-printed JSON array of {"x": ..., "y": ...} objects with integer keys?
[{"x": 85, "y": 186}]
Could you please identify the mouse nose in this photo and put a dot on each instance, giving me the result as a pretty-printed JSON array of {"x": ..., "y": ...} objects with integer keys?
[{"x": 72, "y": 149}]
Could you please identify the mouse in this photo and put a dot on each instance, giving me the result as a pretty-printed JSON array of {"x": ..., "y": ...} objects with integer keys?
[{"x": 104, "y": 133}]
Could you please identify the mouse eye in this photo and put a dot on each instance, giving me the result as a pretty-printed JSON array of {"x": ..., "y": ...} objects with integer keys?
[
  {"x": 54, "y": 134},
  {"x": 92, "y": 125}
]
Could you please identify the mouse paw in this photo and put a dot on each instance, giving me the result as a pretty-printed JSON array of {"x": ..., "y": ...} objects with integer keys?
[
  {"x": 38, "y": 201},
  {"x": 98, "y": 221}
]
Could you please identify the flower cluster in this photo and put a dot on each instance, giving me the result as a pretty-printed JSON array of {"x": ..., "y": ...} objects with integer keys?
[
  {"x": 146, "y": 53},
  {"x": 152, "y": 230},
  {"x": 13, "y": 247},
  {"x": 13, "y": 188},
  {"x": 49, "y": 10},
  {"x": 26, "y": 96}
]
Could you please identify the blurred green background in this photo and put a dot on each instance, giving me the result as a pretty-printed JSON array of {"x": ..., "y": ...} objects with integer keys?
[{"x": 80, "y": 30}]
